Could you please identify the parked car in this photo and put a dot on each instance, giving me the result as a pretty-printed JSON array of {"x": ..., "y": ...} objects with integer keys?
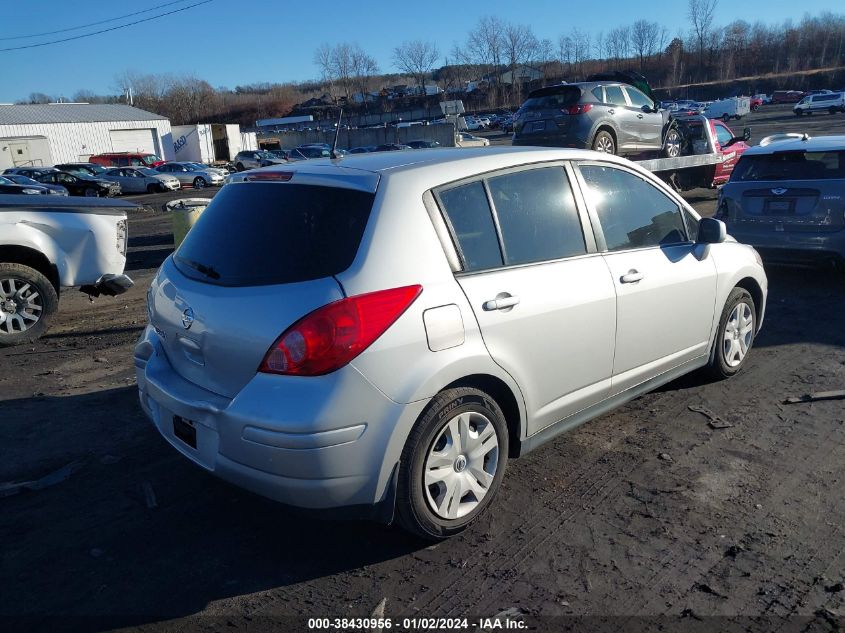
[
  {"x": 360, "y": 378},
  {"x": 423, "y": 144},
  {"x": 363, "y": 150},
  {"x": 141, "y": 179},
  {"x": 786, "y": 197},
  {"x": 250, "y": 159},
  {"x": 831, "y": 102},
  {"x": 126, "y": 159},
  {"x": 728, "y": 144},
  {"x": 607, "y": 116},
  {"x": 79, "y": 185},
  {"x": 787, "y": 96},
  {"x": 192, "y": 174},
  {"x": 87, "y": 169},
  {"x": 11, "y": 188},
  {"x": 287, "y": 154},
  {"x": 29, "y": 172},
  {"x": 56, "y": 242},
  {"x": 18, "y": 179},
  {"x": 465, "y": 139},
  {"x": 755, "y": 102},
  {"x": 391, "y": 147}
]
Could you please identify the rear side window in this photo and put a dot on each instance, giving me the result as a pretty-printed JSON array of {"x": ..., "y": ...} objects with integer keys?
[
  {"x": 632, "y": 212},
  {"x": 615, "y": 95},
  {"x": 537, "y": 215},
  {"x": 469, "y": 215},
  {"x": 257, "y": 234},
  {"x": 790, "y": 166}
]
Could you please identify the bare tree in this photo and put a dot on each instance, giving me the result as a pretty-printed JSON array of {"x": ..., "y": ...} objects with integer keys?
[
  {"x": 700, "y": 13},
  {"x": 323, "y": 60},
  {"x": 520, "y": 45},
  {"x": 644, "y": 36},
  {"x": 580, "y": 49},
  {"x": 416, "y": 58},
  {"x": 363, "y": 68},
  {"x": 485, "y": 47}
]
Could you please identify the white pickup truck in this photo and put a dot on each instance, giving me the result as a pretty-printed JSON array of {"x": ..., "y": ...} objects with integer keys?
[{"x": 49, "y": 244}]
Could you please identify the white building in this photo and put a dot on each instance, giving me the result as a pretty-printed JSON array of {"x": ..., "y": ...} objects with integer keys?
[{"x": 67, "y": 132}]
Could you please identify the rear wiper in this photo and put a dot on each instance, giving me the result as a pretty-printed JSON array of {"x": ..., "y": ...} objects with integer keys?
[{"x": 208, "y": 271}]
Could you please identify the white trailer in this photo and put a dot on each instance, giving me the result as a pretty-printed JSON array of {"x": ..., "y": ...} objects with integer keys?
[
  {"x": 211, "y": 142},
  {"x": 727, "y": 109}
]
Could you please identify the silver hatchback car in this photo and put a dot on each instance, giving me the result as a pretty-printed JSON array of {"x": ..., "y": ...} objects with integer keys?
[{"x": 379, "y": 335}]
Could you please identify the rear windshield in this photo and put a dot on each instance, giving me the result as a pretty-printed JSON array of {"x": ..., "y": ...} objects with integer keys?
[
  {"x": 554, "y": 97},
  {"x": 257, "y": 234},
  {"x": 790, "y": 166}
]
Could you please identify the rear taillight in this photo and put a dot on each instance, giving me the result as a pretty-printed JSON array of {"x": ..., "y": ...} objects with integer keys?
[
  {"x": 330, "y": 337},
  {"x": 578, "y": 108}
]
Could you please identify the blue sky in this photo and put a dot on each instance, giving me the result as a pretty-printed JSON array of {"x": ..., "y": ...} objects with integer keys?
[{"x": 229, "y": 43}]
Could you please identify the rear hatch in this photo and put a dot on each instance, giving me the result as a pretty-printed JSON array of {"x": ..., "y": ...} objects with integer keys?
[
  {"x": 789, "y": 190},
  {"x": 261, "y": 256},
  {"x": 546, "y": 111}
]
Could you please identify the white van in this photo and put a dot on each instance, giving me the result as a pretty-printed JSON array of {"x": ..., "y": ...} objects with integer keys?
[
  {"x": 726, "y": 109},
  {"x": 832, "y": 102}
]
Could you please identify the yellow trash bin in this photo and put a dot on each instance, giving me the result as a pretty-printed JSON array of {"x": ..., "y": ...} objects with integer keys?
[{"x": 184, "y": 214}]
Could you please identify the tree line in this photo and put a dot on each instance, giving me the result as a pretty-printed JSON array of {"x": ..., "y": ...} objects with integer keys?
[{"x": 500, "y": 61}]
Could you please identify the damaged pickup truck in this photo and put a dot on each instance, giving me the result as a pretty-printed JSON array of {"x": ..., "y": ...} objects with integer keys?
[{"x": 51, "y": 243}]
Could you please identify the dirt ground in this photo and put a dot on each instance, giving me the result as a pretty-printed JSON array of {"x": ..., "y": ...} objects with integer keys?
[{"x": 648, "y": 517}]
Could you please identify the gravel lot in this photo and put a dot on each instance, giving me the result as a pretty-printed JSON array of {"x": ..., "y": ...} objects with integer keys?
[{"x": 647, "y": 511}]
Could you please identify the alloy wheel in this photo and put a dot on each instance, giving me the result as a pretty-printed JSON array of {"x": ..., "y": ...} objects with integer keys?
[{"x": 21, "y": 305}]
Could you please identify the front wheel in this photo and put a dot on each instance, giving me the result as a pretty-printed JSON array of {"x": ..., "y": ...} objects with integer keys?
[
  {"x": 27, "y": 303},
  {"x": 672, "y": 146},
  {"x": 726, "y": 117},
  {"x": 603, "y": 142},
  {"x": 735, "y": 336},
  {"x": 832, "y": 110},
  {"x": 239, "y": 167},
  {"x": 452, "y": 463},
  {"x": 90, "y": 192},
  {"x": 199, "y": 183}
]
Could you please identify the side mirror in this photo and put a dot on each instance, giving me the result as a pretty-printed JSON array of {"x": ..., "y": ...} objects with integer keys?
[
  {"x": 711, "y": 231},
  {"x": 648, "y": 109},
  {"x": 746, "y": 133}
]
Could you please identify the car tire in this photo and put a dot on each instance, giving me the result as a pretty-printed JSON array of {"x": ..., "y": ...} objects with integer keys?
[
  {"x": 726, "y": 117},
  {"x": 452, "y": 419},
  {"x": 14, "y": 327},
  {"x": 152, "y": 188},
  {"x": 90, "y": 192},
  {"x": 199, "y": 183},
  {"x": 798, "y": 113},
  {"x": 832, "y": 110},
  {"x": 734, "y": 336},
  {"x": 239, "y": 167},
  {"x": 603, "y": 142},
  {"x": 672, "y": 144}
]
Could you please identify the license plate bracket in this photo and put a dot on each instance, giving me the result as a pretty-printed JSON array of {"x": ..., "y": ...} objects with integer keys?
[
  {"x": 185, "y": 430},
  {"x": 779, "y": 207}
]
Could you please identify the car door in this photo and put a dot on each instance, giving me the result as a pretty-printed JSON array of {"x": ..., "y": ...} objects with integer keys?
[
  {"x": 133, "y": 179},
  {"x": 730, "y": 153},
  {"x": 541, "y": 294},
  {"x": 665, "y": 284},
  {"x": 649, "y": 125},
  {"x": 624, "y": 117}
]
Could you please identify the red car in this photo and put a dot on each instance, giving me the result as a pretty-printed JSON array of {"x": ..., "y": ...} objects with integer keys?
[
  {"x": 756, "y": 102},
  {"x": 726, "y": 143},
  {"x": 787, "y": 96}
]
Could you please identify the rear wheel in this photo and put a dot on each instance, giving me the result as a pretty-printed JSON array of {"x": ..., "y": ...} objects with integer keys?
[
  {"x": 603, "y": 142},
  {"x": 726, "y": 117},
  {"x": 735, "y": 336},
  {"x": 239, "y": 166},
  {"x": 27, "y": 303},
  {"x": 452, "y": 463},
  {"x": 832, "y": 110}
]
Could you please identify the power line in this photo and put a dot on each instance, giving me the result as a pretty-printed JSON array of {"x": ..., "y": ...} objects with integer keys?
[
  {"x": 113, "y": 28},
  {"x": 85, "y": 26}
]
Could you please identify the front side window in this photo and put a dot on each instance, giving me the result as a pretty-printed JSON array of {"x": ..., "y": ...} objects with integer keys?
[
  {"x": 471, "y": 220},
  {"x": 638, "y": 99},
  {"x": 723, "y": 134},
  {"x": 632, "y": 212},
  {"x": 537, "y": 215}
]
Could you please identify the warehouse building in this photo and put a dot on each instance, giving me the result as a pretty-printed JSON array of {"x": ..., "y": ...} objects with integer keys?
[{"x": 47, "y": 134}]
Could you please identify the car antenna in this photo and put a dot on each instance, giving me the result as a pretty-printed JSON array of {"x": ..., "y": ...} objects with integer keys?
[{"x": 334, "y": 155}]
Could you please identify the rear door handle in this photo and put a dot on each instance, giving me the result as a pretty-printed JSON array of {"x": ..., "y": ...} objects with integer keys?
[
  {"x": 500, "y": 303},
  {"x": 632, "y": 277},
  {"x": 611, "y": 111}
]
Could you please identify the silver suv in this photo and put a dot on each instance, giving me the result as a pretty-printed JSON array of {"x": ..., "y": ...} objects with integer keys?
[
  {"x": 251, "y": 159},
  {"x": 383, "y": 333},
  {"x": 606, "y": 116}
]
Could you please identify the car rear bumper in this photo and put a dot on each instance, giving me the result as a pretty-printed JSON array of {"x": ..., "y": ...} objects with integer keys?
[
  {"x": 805, "y": 247},
  {"x": 315, "y": 443}
]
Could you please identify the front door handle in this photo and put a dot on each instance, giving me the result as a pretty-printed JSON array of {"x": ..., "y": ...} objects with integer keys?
[
  {"x": 611, "y": 111},
  {"x": 503, "y": 301},
  {"x": 639, "y": 116},
  {"x": 632, "y": 277}
]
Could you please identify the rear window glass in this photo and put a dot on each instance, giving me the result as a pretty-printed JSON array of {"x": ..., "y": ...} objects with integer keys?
[
  {"x": 790, "y": 166},
  {"x": 553, "y": 97},
  {"x": 257, "y": 234}
]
